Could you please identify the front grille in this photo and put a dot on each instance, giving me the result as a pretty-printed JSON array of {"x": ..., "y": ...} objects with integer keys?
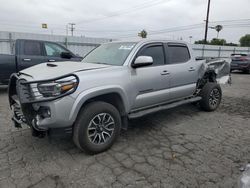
[
  {"x": 24, "y": 91},
  {"x": 28, "y": 92}
]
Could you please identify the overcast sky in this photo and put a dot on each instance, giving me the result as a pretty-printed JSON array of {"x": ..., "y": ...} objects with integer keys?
[{"x": 125, "y": 18}]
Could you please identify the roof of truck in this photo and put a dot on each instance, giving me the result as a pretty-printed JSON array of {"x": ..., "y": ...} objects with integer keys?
[{"x": 151, "y": 40}]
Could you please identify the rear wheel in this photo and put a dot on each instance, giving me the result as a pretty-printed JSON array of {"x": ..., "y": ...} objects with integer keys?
[
  {"x": 97, "y": 127},
  {"x": 211, "y": 96}
]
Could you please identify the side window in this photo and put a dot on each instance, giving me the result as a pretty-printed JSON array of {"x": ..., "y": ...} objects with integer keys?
[
  {"x": 178, "y": 54},
  {"x": 32, "y": 48},
  {"x": 53, "y": 49},
  {"x": 156, "y": 52}
]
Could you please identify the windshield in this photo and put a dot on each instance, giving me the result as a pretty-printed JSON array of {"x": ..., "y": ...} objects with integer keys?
[{"x": 110, "y": 53}]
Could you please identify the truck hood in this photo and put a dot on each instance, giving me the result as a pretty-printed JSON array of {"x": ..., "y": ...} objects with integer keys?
[{"x": 56, "y": 69}]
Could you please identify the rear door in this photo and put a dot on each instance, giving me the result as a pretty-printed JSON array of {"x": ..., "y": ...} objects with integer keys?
[
  {"x": 183, "y": 71},
  {"x": 151, "y": 83},
  {"x": 30, "y": 53},
  {"x": 53, "y": 52}
]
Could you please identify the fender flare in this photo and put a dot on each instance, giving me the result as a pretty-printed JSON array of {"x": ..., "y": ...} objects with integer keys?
[{"x": 95, "y": 92}]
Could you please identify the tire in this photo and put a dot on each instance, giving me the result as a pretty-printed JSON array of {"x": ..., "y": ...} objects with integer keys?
[
  {"x": 97, "y": 127},
  {"x": 246, "y": 71},
  {"x": 211, "y": 97}
]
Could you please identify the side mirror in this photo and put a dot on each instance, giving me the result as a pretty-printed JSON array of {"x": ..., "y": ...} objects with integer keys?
[
  {"x": 142, "y": 61},
  {"x": 66, "y": 55}
]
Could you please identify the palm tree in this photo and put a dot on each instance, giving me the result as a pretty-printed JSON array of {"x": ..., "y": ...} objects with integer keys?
[
  {"x": 143, "y": 34},
  {"x": 218, "y": 28}
]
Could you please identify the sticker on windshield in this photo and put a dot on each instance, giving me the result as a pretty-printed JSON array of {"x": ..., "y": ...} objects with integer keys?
[{"x": 128, "y": 47}]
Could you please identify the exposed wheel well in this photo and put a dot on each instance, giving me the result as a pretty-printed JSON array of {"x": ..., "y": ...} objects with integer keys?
[{"x": 209, "y": 76}]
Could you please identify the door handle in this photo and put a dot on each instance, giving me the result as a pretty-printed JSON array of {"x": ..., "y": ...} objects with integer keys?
[
  {"x": 26, "y": 59},
  {"x": 52, "y": 60},
  {"x": 165, "y": 72},
  {"x": 191, "y": 69}
]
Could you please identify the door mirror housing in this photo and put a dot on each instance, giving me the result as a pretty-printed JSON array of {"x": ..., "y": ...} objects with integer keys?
[
  {"x": 142, "y": 61},
  {"x": 66, "y": 55}
]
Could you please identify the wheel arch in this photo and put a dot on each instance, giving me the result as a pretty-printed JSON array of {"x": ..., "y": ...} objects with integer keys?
[{"x": 115, "y": 96}]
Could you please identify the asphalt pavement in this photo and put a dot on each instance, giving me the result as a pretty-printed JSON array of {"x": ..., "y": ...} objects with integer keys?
[{"x": 181, "y": 147}]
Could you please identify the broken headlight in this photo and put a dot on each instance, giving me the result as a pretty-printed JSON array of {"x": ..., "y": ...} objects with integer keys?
[{"x": 58, "y": 87}]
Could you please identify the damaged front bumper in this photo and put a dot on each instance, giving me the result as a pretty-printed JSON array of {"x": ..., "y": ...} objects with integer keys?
[
  {"x": 17, "y": 115},
  {"x": 39, "y": 113}
]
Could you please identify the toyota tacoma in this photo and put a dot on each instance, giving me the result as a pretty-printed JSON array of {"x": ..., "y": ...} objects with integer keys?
[{"x": 93, "y": 100}]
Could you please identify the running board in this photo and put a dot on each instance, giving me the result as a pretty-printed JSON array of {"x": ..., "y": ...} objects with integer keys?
[{"x": 162, "y": 107}]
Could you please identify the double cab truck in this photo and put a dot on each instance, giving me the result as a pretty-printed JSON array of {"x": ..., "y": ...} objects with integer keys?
[
  {"x": 94, "y": 99},
  {"x": 28, "y": 53}
]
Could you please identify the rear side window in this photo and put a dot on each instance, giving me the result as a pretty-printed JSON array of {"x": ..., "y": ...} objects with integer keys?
[
  {"x": 156, "y": 52},
  {"x": 32, "y": 48},
  {"x": 178, "y": 54}
]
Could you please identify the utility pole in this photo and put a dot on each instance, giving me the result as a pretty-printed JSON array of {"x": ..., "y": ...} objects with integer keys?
[
  {"x": 72, "y": 28},
  {"x": 207, "y": 19},
  {"x": 190, "y": 39},
  {"x": 67, "y": 29}
]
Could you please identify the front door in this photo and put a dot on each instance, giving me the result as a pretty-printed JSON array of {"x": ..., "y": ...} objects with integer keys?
[{"x": 151, "y": 83}]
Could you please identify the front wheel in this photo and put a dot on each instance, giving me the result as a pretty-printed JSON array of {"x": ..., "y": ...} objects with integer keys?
[
  {"x": 97, "y": 127},
  {"x": 211, "y": 96}
]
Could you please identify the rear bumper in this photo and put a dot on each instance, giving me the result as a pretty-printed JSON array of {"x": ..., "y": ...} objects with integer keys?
[{"x": 41, "y": 116}]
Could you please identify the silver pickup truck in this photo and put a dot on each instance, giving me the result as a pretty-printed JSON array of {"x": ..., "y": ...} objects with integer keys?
[{"x": 94, "y": 99}]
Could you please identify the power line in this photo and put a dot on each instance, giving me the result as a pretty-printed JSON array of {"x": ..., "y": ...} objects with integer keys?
[
  {"x": 4, "y": 22},
  {"x": 232, "y": 21},
  {"x": 126, "y": 11},
  {"x": 169, "y": 30},
  {"x": 133, "y": 32},
  {"x": 182, "y": 28}
]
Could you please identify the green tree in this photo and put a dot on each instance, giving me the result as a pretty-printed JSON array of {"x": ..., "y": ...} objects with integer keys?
[
  {"x": 201, "y": 42},
  {"x": 231, "y": 44},
  {"x": 216, "y": 41},
  {"x": 245, "y": 40},
  {"x": 143, "y": 34}
]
